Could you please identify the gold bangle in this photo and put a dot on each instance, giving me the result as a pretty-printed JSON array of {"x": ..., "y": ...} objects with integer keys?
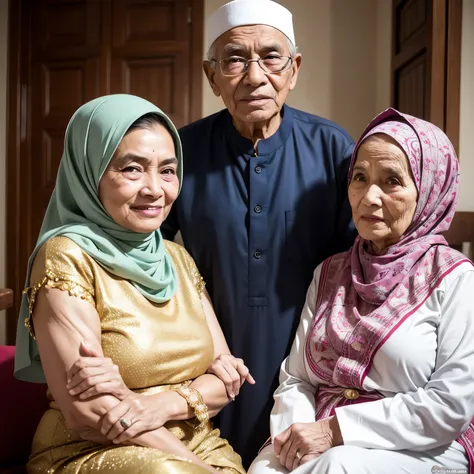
[{"x": 195, "y": 401}]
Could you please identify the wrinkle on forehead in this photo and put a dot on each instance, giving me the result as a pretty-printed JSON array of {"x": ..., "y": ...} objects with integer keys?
[
  {"x": 384, "y": 154},
  {"x": 252, "y": 38}
]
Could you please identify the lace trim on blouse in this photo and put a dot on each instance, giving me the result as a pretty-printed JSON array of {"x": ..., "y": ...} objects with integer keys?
[{"x": 60, "y": 282}]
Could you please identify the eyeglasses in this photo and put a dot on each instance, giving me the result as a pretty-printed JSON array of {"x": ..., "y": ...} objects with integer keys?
[{"x": 236, "y": 65}]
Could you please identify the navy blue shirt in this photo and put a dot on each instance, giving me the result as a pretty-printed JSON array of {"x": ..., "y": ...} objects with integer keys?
[{"x": 257, "y": 226}]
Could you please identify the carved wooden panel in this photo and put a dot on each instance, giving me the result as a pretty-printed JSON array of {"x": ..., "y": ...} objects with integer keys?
[
  {"x": 142, "y": 21},
  {"x": 67, "y": 27},
  {"x": 411, "y": 93},
  {"x": 157, "y": 80},
  {"x": 151, "y": 53},
  {"x": 411, "y": 83},
  {"x": 412, "y": 16},
  {"x": 63, "y": 87}
]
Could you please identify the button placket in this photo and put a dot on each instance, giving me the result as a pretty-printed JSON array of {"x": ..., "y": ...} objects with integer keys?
[{"x": 258, "y": 231}]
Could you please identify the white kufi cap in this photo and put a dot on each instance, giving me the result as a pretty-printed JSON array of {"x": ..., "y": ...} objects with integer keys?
[{"x": 249, "y": 12}]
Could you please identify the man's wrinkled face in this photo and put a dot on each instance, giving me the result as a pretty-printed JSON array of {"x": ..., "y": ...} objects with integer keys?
[{"x": 253, "y": 96}]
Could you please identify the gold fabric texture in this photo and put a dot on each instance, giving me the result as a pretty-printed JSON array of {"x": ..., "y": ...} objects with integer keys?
[{"x": 156, "y": 347}]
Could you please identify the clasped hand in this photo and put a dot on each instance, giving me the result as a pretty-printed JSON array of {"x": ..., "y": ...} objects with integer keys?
[
  {"x": 92, "y": 375},
  {"x": 232, "y": 371}
]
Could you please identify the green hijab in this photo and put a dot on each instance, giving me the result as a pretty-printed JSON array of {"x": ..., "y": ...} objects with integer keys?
[{"x": 75, "y": 211}]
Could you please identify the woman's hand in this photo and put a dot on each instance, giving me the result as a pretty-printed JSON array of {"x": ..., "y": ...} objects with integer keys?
[
  {"x": 134, "y": 415},
  {"x": 93, "y": 375},
  {"x": 90, "y": 434},
  {"x": 302, "y": 442},
  {"x": 232, "y": 371}
]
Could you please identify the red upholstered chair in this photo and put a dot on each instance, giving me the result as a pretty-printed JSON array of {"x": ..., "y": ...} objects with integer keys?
[{"x": 21, "y": 407}]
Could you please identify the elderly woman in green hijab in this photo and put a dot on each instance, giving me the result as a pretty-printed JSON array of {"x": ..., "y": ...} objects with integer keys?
[{"x": 102, "y": 282}]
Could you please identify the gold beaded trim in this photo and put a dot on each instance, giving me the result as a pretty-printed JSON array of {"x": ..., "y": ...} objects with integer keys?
[
  {"x": 199, "y": 282},
  {"x": 196, "y": 402},
  {"x": 52, "y": 280}
]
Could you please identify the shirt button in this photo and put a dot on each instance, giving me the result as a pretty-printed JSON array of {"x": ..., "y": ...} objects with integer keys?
[
  {"x": 257, "y": 254},
  {"x": 257, "y": 209},
  {"x": 258, "y": 169}
]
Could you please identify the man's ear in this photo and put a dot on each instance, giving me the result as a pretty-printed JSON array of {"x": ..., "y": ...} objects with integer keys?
[
  {"x": 210, "y": 72},
  {"x": 295, "y": 68}
]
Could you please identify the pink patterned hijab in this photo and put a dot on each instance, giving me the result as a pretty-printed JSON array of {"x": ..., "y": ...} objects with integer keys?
[
  {"x": 362, "y": 297},
  {"x": 435, "y": 169}
]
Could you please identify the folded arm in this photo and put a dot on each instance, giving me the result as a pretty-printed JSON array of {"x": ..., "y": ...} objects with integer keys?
[
  {"x": 61, "y": 322},
  {"x": 92, "y": 375}
]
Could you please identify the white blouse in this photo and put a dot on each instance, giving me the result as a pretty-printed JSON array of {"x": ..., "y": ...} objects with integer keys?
[{"x": 425, "y": 370}]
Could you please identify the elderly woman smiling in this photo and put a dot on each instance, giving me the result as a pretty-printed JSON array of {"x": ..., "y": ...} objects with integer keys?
[
  {"x": 380, "y": 377},
  {"x": 102, "y": 273}
]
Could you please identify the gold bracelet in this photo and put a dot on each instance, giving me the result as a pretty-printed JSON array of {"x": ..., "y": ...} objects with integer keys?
[{"x": 195, "y": 401}]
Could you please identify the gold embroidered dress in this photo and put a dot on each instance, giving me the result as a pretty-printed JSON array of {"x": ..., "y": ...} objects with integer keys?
[{"x": 156, "y": 347}]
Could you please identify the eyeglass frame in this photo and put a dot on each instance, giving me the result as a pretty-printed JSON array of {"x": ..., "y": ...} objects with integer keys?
[{"x": 256, "y": 60}]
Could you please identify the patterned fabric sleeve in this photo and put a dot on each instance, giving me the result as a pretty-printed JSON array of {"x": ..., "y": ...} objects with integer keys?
[{"x": 60, "y": 264}]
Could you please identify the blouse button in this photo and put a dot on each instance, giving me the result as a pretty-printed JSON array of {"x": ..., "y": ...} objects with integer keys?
[{"x": 351, "y": 394}]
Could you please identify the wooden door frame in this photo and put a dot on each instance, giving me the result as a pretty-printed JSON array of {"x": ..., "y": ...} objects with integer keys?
[
  {"x": 453, "y": 78},
  {"x": 445, "y": 90},
  {"x": 446, "y": 56},
  {"x": 16, "y": 150},
  {"x": 18, "y": 130}
]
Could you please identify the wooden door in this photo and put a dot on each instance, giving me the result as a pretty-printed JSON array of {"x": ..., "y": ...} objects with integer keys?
[
  {"x": 66, "y": 52},
  {"x": 151, "y": 54},
  {"x": 64, "y": 73},
  {"x": 426, "y": 61},
  {"x": 426, "y": 76}
]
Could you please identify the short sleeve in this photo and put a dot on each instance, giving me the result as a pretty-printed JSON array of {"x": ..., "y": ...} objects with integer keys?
[
  {"x": 189, "y": 265},
  {"x": 61, "y": 264}
]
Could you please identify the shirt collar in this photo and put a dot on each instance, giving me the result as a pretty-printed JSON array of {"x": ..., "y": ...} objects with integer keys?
[{"x": 266, "y": 146}]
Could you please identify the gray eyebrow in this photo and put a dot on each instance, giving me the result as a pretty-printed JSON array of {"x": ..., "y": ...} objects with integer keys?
[
  {"x": 231, "y": 49},
  {"x": 237, "y": 49}
]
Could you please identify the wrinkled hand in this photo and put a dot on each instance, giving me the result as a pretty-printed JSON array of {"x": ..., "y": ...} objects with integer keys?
[
  {"x": 145, "y": 413},
  {"x": 92, "y": 374},
  {"x": 232, "y": 371},
  {"x": 90, "y": 434},
  {"x": 302, "y": 442}
]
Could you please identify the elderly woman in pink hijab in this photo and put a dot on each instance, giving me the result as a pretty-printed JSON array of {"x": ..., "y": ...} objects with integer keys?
[{"x": 380, "y": 378}]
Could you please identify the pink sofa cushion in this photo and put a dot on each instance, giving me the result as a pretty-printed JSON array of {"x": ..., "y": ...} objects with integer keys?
[{"x": 21, "y": 407}]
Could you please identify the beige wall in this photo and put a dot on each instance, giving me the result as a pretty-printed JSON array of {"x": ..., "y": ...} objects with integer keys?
[
  {"x": 466, "y": 138},
  {"x": 3, "y": 111},
  {"x": 346, "y": 59}
]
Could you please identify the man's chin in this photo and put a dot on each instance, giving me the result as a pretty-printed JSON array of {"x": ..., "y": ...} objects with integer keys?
[{"x": 252, "y": 115}]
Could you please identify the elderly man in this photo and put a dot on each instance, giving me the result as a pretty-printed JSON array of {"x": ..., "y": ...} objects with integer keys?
[{"x": 263, "y": 200}]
